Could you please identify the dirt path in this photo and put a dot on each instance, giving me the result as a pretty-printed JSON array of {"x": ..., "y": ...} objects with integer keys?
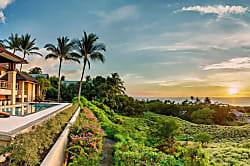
[{"x": 107, "y": 155}]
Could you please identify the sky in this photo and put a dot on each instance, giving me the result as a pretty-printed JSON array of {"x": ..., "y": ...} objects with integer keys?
[{"x": 161, "y": 48}]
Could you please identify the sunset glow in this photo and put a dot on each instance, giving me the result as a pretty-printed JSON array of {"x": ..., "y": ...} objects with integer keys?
[{"x": 233, "y": 91}]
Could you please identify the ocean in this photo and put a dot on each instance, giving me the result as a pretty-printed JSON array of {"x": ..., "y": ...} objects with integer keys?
[{"x": 235, "y": 101}]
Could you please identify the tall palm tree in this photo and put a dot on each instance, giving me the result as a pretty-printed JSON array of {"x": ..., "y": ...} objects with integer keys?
[
  {"x": 62, "y": 52},
  {"x": 27, "y": 46},
  {"x": 118, "y": 83},
  {"x": 115, "y": 84},
  {"x": 13, "y": 42},
  {"x": 88, "y": 49}
]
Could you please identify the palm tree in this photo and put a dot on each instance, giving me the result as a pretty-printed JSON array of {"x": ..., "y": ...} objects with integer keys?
[
  {"x": 1, "y": 44},
  {"x": 62, "y": 52},
  {"x": 27, "y": 46},
  {"x": 116, "y": 84},
  {"x": 13, "y": 42},
  {"x": 88, "y": 49}
]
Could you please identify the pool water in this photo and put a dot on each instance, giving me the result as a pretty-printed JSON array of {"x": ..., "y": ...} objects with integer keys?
[{"x": 27, "y": 109}]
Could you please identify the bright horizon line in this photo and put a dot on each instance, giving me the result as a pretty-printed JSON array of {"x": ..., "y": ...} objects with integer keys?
[{"x": 193, "y": 96}]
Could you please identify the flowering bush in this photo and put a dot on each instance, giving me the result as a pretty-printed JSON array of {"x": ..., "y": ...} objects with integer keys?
[{"x": 85, "y": 140}]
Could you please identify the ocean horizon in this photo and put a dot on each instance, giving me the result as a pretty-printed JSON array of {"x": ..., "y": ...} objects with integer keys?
[{"x": 234, "y": 101}]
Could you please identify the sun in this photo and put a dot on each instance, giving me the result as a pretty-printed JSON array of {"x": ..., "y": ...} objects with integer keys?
[{"x": 233, "y": 91}]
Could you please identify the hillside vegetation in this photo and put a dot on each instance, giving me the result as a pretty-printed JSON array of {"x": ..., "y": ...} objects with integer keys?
[{"x": 154, "y": 139}]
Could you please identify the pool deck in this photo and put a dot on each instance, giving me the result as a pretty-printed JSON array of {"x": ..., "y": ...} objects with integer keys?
[{"x": 16, "y": 124}]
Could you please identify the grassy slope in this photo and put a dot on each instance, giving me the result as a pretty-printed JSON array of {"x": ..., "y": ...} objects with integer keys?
[{"x": 231, "y": 144}]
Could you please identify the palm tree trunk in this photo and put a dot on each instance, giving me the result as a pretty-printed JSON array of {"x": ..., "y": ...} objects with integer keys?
[
  {"x": 21, "y": 63},
  {"x": 80, "y": 85},
  {"x": 59, "y": 81}
]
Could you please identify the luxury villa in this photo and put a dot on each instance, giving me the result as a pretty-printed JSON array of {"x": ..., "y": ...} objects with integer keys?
[{"x": 15, "y": 87}]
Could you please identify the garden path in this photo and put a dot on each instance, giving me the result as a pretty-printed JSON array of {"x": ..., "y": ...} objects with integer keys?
[{"x": 107, "y": 154}]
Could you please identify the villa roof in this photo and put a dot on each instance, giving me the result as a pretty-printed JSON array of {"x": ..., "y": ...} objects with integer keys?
[
  {"x": 20, "y": 77},
  {"x": 6, "y": 57}
]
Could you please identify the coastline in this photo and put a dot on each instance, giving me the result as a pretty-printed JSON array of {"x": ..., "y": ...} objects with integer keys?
[{"x": 234, "y": 101}]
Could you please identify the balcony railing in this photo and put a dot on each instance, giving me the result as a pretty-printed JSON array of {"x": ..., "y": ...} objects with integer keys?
[{"x": 3, "y": 84}]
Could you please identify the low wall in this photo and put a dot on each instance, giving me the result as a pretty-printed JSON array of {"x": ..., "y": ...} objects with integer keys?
[{"x": 56, "y": 155}]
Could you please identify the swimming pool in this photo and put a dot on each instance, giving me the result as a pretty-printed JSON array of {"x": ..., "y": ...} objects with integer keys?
[{"x": 25, "y": 109}]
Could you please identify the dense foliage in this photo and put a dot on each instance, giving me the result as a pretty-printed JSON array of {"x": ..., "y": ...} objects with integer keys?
[
  {"x": 202, "y": 137},
  {"x": 109, "y": 90},
  {"x": 44, "y": 86},
  {"x": 35, "y": 70},
  {"x": 30, "y": 148},
  {"x": 85, "y": 140},
  {"x": 198, "y": 111}
]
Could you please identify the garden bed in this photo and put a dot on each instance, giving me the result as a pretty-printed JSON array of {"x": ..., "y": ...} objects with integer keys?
[{"x": 85, "y": 140}]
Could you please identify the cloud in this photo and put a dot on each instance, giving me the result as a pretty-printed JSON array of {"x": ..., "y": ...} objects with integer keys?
[
  {"x": 123, "y": 13},
  {"x": 199, "y": 41},
  {"x": 131, "y": 76},
  {"x": 168, "y": 63},
  {"x": 175, "y": 47},
  {"x": 2, "y": 17},
  {"x": 219, "y": 10},
  {"x": 235, "y": 63},
  {"x": 36, "y": 60},
  {"x": 3, "y": 5}
]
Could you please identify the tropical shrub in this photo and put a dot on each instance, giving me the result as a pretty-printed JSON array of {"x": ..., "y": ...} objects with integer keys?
[
  {"x": 203, "y": 138},
  {"x": 83, "y": 101},
  {"x": 203, "y": 116},
  {"x": 168, "y": 128},
  {"x": 51, "y": 93},
  {"x": 44, "y": 86},
  {"x": 85, "y": 140},
  {"x": 127, "y": 106}
]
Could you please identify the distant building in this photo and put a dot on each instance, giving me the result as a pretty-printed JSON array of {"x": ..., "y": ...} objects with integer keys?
[
  {"x": 69, "y": 82},
  {"x": 40, "y": 75}
]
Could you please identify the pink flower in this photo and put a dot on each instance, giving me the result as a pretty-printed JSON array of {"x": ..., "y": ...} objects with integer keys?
[
  {"x": 91, "y": 144},
  {"x": 85, "y": 138},
  {"x": 72, "y": 157},
  {"x": 89, "y": 133},
  {"x": 96, "y": 150}
]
